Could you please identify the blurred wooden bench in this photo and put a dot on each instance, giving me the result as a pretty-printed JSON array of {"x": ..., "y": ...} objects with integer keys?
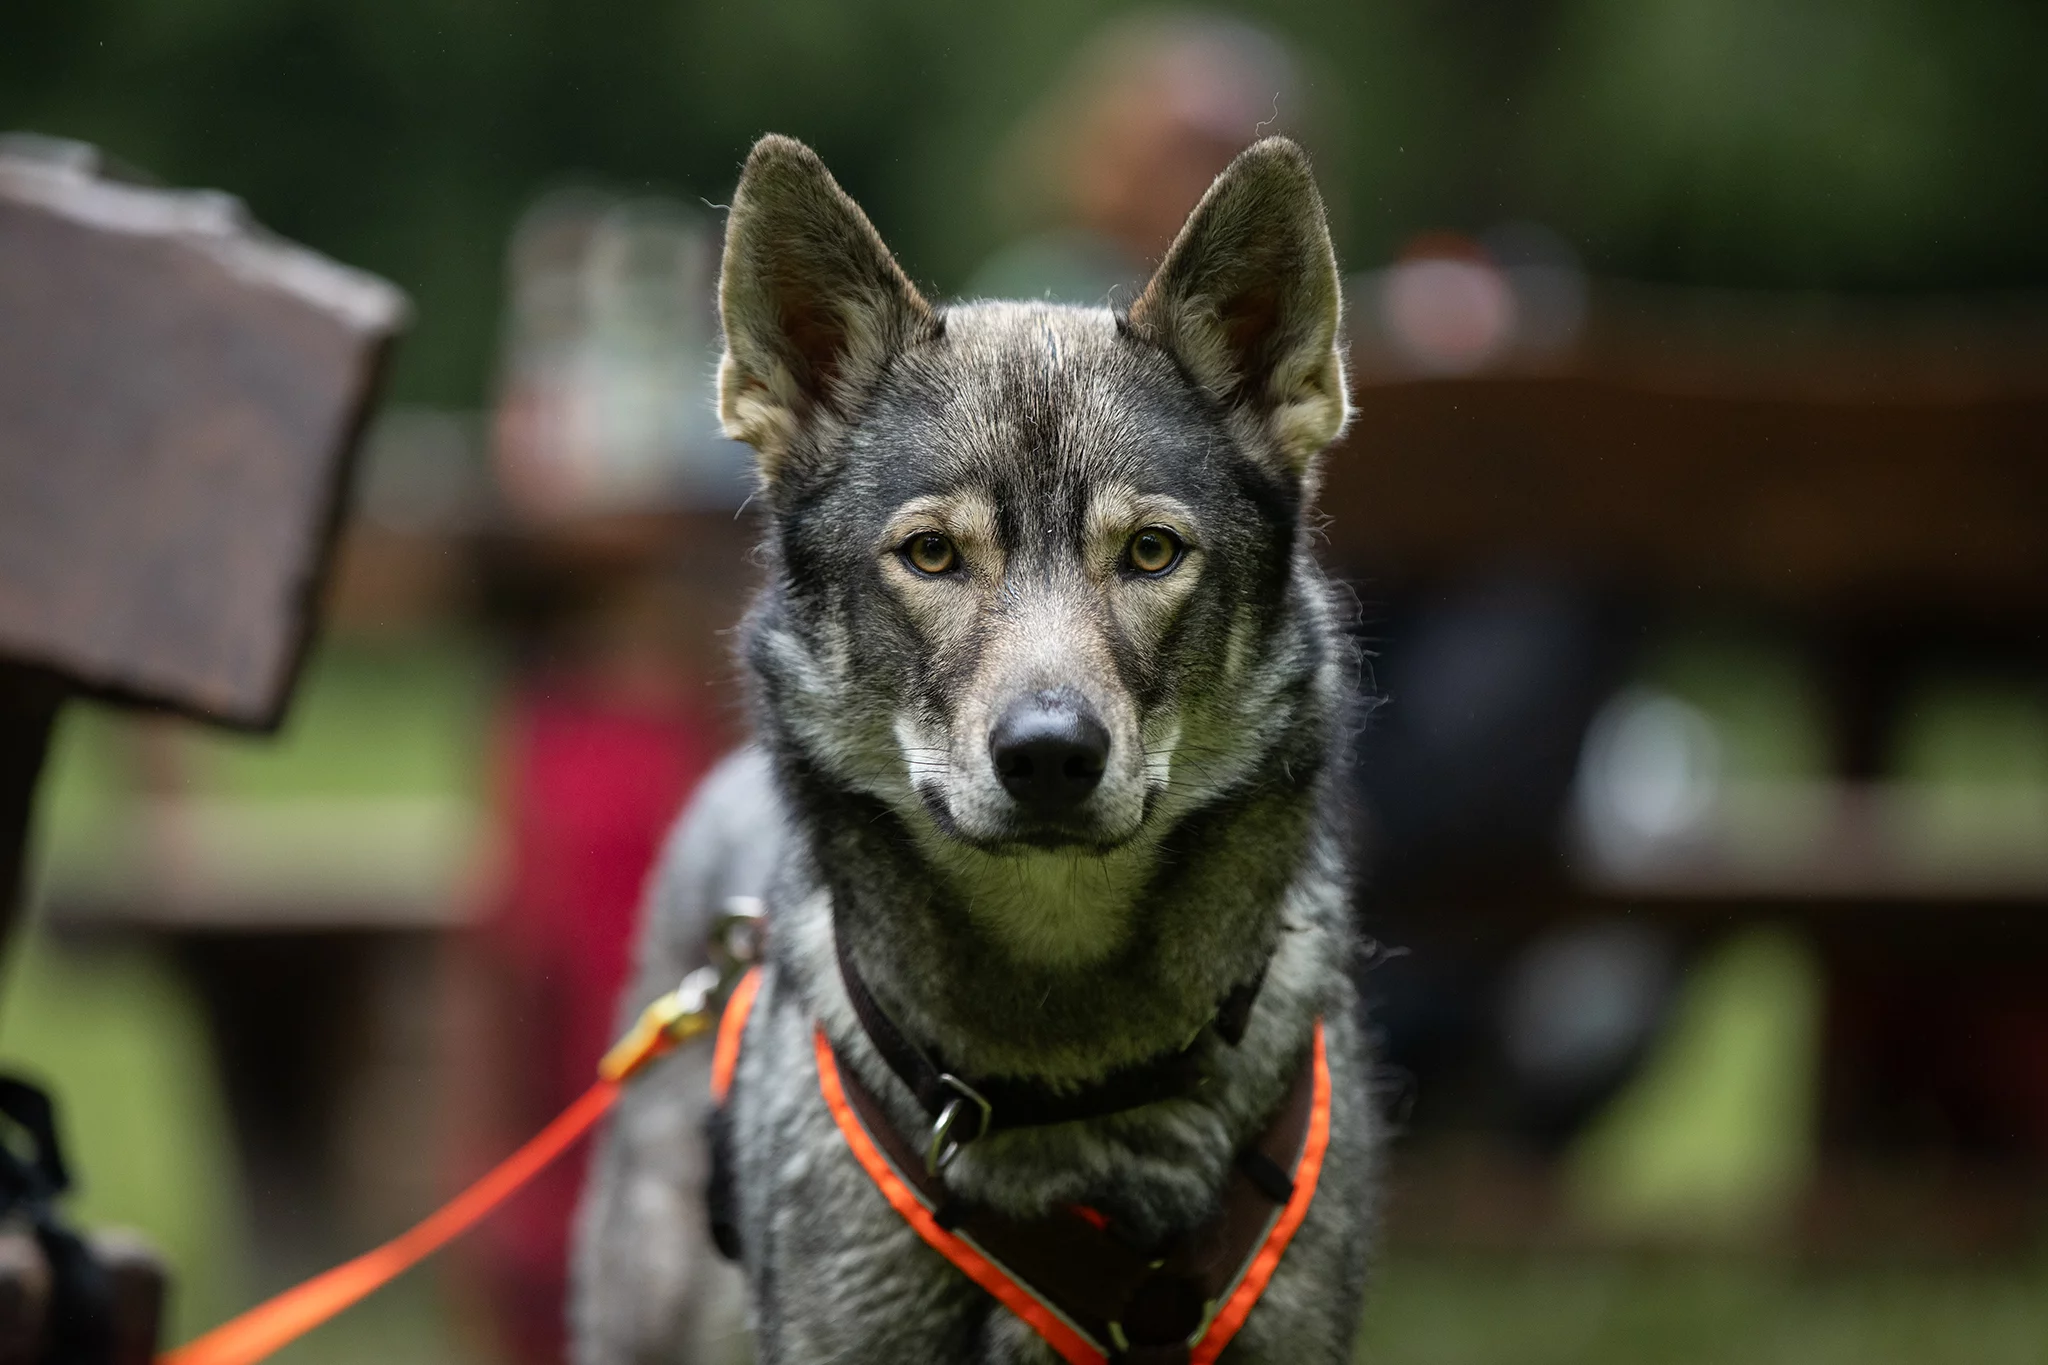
[{"x": 1871, "y": 476}]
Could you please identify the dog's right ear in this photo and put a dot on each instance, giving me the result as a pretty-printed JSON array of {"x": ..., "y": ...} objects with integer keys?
[{"x": 812, "y": 303}]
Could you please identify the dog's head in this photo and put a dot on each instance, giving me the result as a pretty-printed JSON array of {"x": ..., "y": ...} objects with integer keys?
[{"x": 1036, "y": 567}]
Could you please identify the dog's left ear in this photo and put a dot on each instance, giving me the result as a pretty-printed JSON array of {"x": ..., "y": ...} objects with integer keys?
[{"x": 1248, "y": 298}]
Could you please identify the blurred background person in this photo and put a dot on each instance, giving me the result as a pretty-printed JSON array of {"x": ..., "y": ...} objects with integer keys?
[
  {"x": 1104, "y": 169},
  {"x": 604, "y": 434}
]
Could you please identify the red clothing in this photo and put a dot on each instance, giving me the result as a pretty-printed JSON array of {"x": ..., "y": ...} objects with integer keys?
[{"x": 591, "y": 786}]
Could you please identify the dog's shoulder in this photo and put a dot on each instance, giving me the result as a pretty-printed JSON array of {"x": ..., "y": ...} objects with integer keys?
[{"x": 730, "y": 840}]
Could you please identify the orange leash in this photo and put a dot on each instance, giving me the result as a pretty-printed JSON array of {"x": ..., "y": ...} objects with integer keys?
[
  {"x": 678, "y": 1017},
  {"x": 272, "y": 1324}
]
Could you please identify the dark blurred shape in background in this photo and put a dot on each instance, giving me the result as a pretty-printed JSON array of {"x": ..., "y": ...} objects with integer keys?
[{"x": 1696, "y": 507}]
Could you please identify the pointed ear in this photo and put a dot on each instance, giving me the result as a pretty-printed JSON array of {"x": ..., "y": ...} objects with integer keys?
[
  {"x": 812, "y": 303},
  {"x": 1248, "y": 299}
]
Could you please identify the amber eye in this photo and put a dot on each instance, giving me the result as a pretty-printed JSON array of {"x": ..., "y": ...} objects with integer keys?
[
  {"x": 928, "y": 552},
  {"x": 1153, "y": 550}
]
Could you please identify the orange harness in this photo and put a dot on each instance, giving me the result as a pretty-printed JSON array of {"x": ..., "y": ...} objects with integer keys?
[
  {"x": 1067, "y": 1276},
  {"x": 1014, "y": 1262}
]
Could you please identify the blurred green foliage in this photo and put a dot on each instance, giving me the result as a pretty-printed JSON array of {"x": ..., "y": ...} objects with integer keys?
[{"x": 1836, "y": 143}]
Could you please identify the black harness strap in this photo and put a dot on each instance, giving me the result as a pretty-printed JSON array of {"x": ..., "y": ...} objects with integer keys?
[{"x": 962, "y": 1110}]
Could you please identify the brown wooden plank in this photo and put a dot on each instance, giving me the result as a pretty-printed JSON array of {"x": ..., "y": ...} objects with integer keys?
[
  {"x": 179, "y": 397},
  {"x": 1809, "y": 503}
]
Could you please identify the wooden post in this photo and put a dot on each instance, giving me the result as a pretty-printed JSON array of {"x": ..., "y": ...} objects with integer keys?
[{"x": 28, "y": 709}]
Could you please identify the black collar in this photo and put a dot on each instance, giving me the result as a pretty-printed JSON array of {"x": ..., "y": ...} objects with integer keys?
[{"x": 962, "y": 1110}]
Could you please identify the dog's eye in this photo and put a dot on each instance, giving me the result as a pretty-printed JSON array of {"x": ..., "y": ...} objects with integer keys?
[
  {"x": 930, "y": 553},
  {"x": 1153, "y": 550}
]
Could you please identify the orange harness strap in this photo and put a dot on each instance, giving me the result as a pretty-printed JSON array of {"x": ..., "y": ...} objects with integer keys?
[
  {"x": 1259, "y": 1273},
  {"x": 732, "y": 1026},
  {"x": 1061, "y": 1332}
]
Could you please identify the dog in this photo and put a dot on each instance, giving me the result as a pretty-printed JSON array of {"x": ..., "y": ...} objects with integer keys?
[{"x": 1052, "y": 702}]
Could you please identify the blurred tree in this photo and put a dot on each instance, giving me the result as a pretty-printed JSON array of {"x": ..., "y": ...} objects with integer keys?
[
  {"x": 1860, "y": 143},
  {"x": 1869, "y": 143}
]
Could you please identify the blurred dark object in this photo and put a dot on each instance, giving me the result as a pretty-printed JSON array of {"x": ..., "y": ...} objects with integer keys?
[
  {"x": 1579, "y": 1008},
  {"x": 24, "y": 1297},
  {"x": 179, "y": 398},
  {"x": 1523, "y": 506},
  {"x": 1489, "y": 688},
  {"x": 29, "y": 699},
  {"x": 138, "y": 1282},
  {"x": 1487, "y": 699},
  {"x": 65, "y": 1299},
  {"x": 1940, "y": 1054}
]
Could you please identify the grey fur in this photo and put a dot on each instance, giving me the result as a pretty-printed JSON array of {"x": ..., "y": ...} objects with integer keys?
[{"x": 1038, "y": 438}]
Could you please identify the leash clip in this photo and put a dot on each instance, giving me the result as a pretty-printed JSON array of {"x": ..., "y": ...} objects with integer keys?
[
  {"x": 676, "y": 1017},
  {"x": 690, "y": 1011},
  {"x": 944, "y": 1146}
]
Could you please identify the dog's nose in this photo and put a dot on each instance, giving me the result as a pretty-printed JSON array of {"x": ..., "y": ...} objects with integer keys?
[{"x": 1049, "y": 751}]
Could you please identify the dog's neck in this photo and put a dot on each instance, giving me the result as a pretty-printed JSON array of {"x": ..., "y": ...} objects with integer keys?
[
  {"x": 1189, "y": 916},
  {"x": 1048, "y": 910}
]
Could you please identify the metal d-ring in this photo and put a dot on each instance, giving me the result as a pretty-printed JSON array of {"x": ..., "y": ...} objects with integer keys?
[
  {"x": 944, "y": 1147},
  {"x": 1122, "y": 1342},
  {"x": 738, "y": 931}
]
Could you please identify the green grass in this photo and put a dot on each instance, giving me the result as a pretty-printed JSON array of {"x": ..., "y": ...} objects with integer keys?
[
  {"x": 1438, "y": 1309},
  {"x": 410, "y": 1323},
  {"x": 116, "y": 1036}
]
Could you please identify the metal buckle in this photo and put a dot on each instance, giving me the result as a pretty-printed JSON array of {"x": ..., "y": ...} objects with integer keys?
[
  {"x": 691, "y": 1009},
  {"x": 700, "y": 991},
  {"x": 1122, "y": 1342},
  {"x": 669, "y": 1020},
  {"x": 942, "y": 1149}
]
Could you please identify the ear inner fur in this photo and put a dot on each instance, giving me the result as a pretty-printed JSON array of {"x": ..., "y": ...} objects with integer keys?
[
  {"x": 812, "y": 303},
  {"x": 1248, "y": 298}
]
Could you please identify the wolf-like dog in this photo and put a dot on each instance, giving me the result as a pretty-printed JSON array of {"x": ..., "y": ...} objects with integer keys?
[{"x": 1052, "y": 700}]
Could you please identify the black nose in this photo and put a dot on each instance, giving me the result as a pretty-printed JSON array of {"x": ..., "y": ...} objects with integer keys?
[{"x": 1049, "y": 751}]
